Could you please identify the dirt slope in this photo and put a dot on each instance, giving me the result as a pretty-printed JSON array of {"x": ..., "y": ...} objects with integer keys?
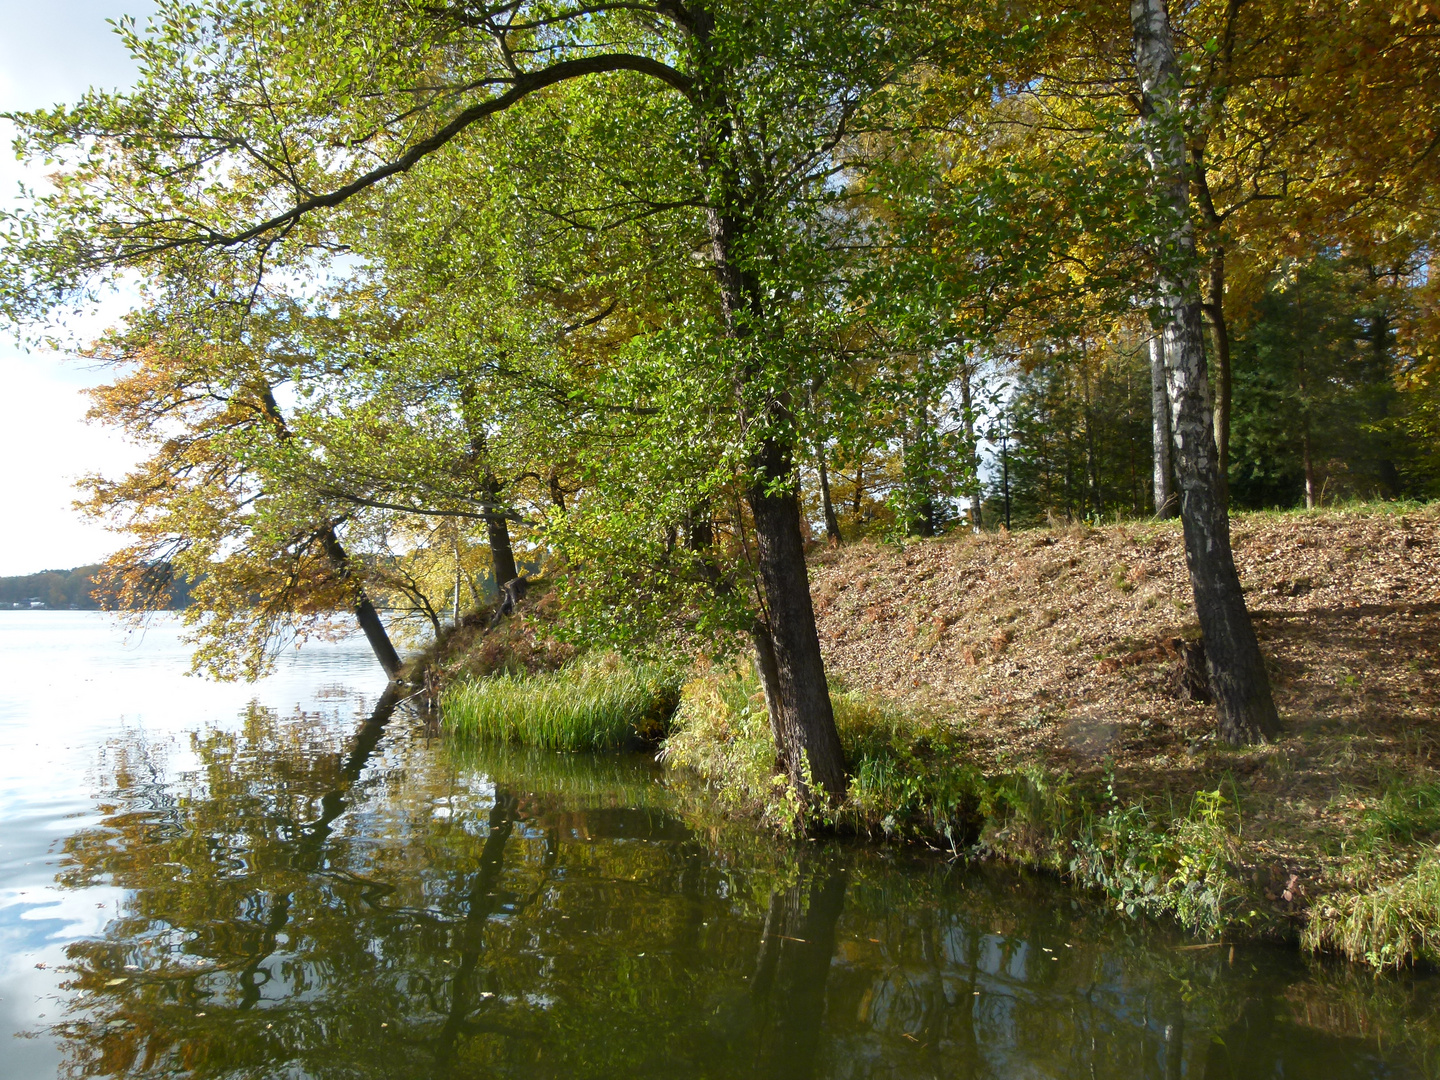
[{"x": 1050, "y": 644}]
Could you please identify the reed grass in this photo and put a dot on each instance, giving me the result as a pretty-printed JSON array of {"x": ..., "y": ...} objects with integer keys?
[
  {"x": 592, "y": 705},
  {"x": 1391, "y": 925}
]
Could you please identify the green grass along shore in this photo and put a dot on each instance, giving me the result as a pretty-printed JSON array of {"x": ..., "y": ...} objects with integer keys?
[{"x": 1327, "y": 839}]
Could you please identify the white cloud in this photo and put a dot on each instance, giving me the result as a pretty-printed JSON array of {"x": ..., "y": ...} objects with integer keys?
[
  {"x": 45, "y": 446},
  {"x": 50, "y": 53}
]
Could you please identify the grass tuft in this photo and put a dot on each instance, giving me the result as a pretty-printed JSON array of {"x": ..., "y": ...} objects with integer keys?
[
  {"x": 603, "y": 704},
  {"x": 1392, "y": 925}
]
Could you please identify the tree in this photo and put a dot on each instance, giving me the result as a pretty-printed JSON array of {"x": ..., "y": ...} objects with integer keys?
[
  {"x": 1237, "y": 670},
  {"x": 253, "y": 122},
  {"x": 264, "y": 560}
]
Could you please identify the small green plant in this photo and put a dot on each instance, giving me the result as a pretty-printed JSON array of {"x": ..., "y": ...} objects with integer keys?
[
  {"x": 603, "y": 704},
  {"x": 1120, "y": 579},
  {"x": 1150, "y": 865}
]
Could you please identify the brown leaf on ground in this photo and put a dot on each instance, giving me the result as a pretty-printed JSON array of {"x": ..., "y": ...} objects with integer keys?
[{"x": 1085, "y": 629}]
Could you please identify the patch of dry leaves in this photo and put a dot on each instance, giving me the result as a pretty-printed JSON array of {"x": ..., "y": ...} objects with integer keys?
[{"x": 1049, "y": 647}]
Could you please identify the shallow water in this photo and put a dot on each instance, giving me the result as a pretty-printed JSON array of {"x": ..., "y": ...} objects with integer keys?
[{"x": 282, "y": 880}]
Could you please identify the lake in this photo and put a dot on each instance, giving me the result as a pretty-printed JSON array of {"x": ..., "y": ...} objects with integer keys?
[{"x": 303, "y": 878}]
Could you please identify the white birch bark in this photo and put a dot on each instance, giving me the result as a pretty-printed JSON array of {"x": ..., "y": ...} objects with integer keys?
[{"x": 1236, "y": 668}]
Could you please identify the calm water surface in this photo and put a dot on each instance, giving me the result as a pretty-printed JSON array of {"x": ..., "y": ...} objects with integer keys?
[{"x": 299, "y": 879}]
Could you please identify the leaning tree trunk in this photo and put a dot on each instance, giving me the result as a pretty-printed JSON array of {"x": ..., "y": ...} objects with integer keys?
[
  {"x": 1165, "y": 501},
  {"x": 808, "y": 745},
  {"x": 1237, "y": 670},
  {"x": 365, "y": 613},
  {"x": 832, "y": 521},
  {"x": 807, "y": 721}
]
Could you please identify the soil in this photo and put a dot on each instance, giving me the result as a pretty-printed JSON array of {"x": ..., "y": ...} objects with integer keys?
[{"x": 1064, "y": 648}]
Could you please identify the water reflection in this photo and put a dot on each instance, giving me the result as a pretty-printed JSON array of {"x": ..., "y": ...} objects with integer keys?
[{"x": 300, "y": 905}]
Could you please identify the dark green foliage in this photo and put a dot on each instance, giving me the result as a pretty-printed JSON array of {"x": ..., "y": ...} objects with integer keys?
[
  {"x": 1315, "y": 372},
  {"x": 1079, "y": 436}
]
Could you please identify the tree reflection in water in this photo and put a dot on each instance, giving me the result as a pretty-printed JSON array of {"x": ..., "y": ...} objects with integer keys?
[{"x": 307, "y": 903}]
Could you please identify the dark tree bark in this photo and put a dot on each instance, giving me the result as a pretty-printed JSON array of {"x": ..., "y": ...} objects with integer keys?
[
  {"x": 1312, "y": 497},
  {"x": 1220, "y": 332},
  {"x": 1215, "y": 308},
  {"x": 1237, "y": 670},
  {"x": 497, "y": 529},
  {"x": 809, "y": 744},
  {"x": 492, "y": 510},
  {"x": 1307, "y": 459},
  {"x": 1092, "y": 457},
  {"x": 1005, "y": 472},
  {"x": 1166, "y": 504},
  {"x": 807, "y": 720},
  {"x": 832, "y": 522},
  {"x": 557, "y": 493},
  {"x": 767, "y": 668},
  {"x": 1381, "y": 377},
  {"x": 365, "y": 612}
]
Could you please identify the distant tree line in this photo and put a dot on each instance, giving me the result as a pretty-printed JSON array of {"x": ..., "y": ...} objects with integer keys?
[{"x": 84, "y": 588}]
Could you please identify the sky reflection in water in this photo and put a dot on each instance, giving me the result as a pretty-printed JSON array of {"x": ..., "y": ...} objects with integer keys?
[{"x": 282, "y": 892}]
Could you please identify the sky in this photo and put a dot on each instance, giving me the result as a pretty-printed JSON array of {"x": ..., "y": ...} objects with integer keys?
[{"x": 50, "y": 52}]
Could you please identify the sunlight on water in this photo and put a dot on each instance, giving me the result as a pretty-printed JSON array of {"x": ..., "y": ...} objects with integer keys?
[
  {"x": 75, "y": 686},
  {"x": 273, "y": 881}
]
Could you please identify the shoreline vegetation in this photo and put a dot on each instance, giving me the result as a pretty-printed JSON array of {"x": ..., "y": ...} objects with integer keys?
[{"x": 1023, "y": 697}]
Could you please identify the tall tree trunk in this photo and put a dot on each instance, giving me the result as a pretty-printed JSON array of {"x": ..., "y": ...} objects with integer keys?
[
  {"x": 365, "y": 612},
  {"x": 1005, "y": 472},
  {"x": 832, "y": 522},
  {"x": 809, "y": 741},
  {"x": 1312, "y": 497},
  {"x": 767, "y": 668},
  {"x": 1381, "y": 377},
  {"x": 968, "y": 421},
  {"x": 1236, "y": 668},
  {"x": 1220, "y": 331},
  {"x": 1166, "y": 504},
  {"x": 1092, "y": 462},
  {"x": 1307, "y": 459},
  {"x": 497, "y": 530}
]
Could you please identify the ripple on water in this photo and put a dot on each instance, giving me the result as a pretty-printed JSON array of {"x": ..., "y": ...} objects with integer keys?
[{"x": 259, "y": 881}]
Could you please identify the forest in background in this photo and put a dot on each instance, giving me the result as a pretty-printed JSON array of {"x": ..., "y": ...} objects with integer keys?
[
  {"x": 53, "y": 588},
  {"x": 80, "y": 588},
  {"x": 652, "y": 295}
]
